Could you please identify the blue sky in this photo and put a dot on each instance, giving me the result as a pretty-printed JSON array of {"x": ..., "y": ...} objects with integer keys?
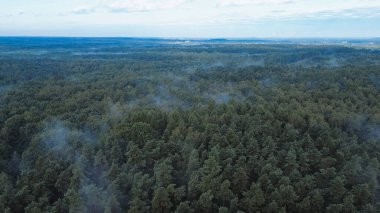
[{"x": 191, "y": 18}]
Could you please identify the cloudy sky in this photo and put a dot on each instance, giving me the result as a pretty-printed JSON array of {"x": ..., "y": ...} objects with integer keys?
[{"x": 191, "y": 18}]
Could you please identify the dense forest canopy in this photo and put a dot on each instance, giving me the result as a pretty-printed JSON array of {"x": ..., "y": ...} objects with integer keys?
[{"x": 150, "y": 125}]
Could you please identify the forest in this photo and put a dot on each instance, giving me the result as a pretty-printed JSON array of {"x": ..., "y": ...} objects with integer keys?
[{"x": 153, "y": 125}]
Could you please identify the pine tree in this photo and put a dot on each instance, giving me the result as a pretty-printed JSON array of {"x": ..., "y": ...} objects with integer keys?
[
  {"x": 225, "y": 194},
  {"x": 337, "y": 190},
  {"x": 254, "y": 198},
  {"x": 161, "y": 202},
  {"x": 205, "y": 203},
  {"x": 75, "y": 202},
  {"x": 112, "y": 205},
  {"x": 163, "y": 173}
]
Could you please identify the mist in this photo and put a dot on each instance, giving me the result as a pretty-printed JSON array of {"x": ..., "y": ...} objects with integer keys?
[{"x": 65, "y": 143}]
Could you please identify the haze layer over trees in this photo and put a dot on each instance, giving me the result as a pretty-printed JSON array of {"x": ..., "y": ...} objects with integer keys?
[{"x": 146, "y": 125}]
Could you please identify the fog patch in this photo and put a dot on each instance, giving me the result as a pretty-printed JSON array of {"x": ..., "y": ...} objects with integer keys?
[
  {"x": 224, "y": 93},
  {"x": 252, "y": 63},
  {"x": 190, "y": 70},
  {"x": 217, "y": 64},
  {"x": 13, "y": 164},
  {"x": 364, "y": 127},
  {"x": 312, "y": 84},
  {"x": 116, "y": 110},
  {"x": 373, "y": 131},
  {"x": 163, "y": 98},
  {"x": 221, "y": 98},
  {"x": 72, "y": 78},
  {"x": 213, "y": 65},
  {"x": 305, "y": 63},
  {"x": 226, "y": 97},
  {"x": 55, "y": 136},
  {"x": 245, "y": 90},
  {"x": 166, "y": 100},
  {"x": 176, "y": 80},
  {"x": 175, "y": 91},
  {"x": 333, "y": 62},
  {"x": 94, "y": 186},
  {"x": 268, "y": 82}
]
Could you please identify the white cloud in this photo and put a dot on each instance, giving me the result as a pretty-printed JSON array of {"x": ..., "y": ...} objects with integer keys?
[
  {"x": 143, "y": 5},
  {"x": 284, "y": 15},
  {"x": 249, "y": 11},
  {"x": 128, "y": 6},
  {"x": 344, "y": 13},
  {"x": 229, "y": 3},
  {"x": 84, "y": 9},
  {"x": 251, "y": 15}
]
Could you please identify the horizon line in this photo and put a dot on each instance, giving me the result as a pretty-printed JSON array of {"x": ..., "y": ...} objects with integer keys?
[{"x": 186, "y": 38}]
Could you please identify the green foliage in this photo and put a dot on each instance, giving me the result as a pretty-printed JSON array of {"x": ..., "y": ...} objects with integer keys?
[
  {"x": 169, "y": 129},
  {"x": 161, "y": 202}
]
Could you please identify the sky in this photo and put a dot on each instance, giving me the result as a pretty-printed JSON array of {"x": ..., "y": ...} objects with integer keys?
[{"x": 191, "y": 18}]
